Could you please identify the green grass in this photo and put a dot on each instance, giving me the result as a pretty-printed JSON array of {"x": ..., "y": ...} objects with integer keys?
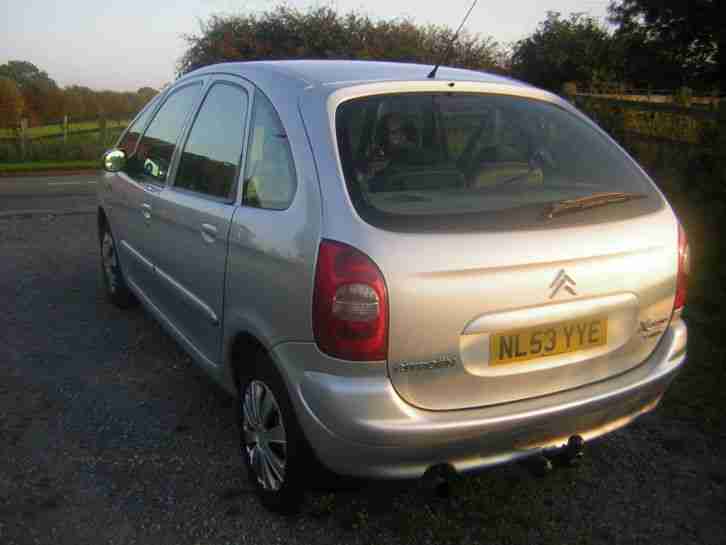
[
  {"x": 39, "y": 166},
  {"x": 57, "y": 129}
]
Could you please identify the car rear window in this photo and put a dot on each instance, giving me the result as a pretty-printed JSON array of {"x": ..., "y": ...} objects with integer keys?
[{"x": 433, "y": 161}]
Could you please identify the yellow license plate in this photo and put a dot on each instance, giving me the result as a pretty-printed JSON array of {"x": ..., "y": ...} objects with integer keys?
[{"x": 538, "y": 342}]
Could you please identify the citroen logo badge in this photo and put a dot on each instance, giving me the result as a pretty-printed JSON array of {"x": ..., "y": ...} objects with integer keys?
[{"x": 562, "y": 280}]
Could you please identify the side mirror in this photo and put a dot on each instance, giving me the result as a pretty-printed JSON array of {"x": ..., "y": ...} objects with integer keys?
[{"x": 114, "y": 160}]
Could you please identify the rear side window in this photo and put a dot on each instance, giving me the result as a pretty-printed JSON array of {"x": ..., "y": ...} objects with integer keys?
[
  {"x": 441, "y": 161},
  {"x": 213, "y": 152},
  {"x": 270, "y": 174},
  {"x": 152, "y": 159}
]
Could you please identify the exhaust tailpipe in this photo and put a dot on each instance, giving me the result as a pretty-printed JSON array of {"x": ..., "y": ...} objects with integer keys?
[
  {"x": 542, "y": 463},
  {"x": 574, "y": 451}
]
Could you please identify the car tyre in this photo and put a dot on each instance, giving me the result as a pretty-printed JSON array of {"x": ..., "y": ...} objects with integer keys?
[
  {"x": 117, "y": 291},
  {"x": 272, "y": 444}
]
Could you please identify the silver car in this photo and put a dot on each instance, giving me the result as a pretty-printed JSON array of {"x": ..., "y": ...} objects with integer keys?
[{"x": 395, "y": 273}]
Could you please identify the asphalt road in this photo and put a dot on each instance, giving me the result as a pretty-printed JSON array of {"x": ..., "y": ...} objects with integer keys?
[
  {"x": 108, "y": 434},
  {"x": 48, "y": 193}
]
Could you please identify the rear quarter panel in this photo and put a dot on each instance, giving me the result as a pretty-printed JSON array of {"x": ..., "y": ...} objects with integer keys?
[{"x": 272, "y": 254}]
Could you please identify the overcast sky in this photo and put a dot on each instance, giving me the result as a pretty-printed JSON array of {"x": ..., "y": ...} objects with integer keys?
[{"x": 129, "y": 44}]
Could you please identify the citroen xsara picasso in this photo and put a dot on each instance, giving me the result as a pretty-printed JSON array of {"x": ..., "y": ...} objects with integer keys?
[{"x": 394, "y": 272}]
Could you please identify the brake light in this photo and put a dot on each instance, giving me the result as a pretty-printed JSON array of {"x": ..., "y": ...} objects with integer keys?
[
  {"x": 350, "y": 304},
  {"x": 684, "y": 270}
]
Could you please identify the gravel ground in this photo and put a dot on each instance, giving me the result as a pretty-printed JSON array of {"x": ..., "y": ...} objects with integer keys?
[{"x": 108, "y": 434}]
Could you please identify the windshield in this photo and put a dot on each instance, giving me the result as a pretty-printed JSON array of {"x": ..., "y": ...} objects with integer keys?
[{"x": 427, "y": 161}]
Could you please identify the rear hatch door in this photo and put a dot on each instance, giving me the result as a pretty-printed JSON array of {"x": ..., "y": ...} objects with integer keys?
[
  {"x": 491, "y": 318},
  {"x": 524, "y": 252}
]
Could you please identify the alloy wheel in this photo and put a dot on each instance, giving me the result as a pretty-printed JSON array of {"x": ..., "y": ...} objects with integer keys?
[
  {"x": 265, "y": 443},
  {"x": 108, "y": 257}
]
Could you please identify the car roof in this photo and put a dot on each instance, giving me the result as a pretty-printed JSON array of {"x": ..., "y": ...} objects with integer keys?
[
  {"x": 289, "y": 84},
  {"x": 341, "y": 73}
]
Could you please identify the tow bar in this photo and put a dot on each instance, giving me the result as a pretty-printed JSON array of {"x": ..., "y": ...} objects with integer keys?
[{"x": 569, "y": 455}]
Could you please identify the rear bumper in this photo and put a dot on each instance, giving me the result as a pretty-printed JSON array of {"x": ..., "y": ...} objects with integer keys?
[{"x": 358, "y": 425}]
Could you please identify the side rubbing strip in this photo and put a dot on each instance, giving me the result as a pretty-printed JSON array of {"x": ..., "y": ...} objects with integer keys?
[
  {"x": 189, "y": 296},
  {"x": 140, "y": 258}
]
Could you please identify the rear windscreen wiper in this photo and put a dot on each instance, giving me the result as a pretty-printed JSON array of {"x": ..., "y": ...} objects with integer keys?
[{"x": 592, "y": 201}]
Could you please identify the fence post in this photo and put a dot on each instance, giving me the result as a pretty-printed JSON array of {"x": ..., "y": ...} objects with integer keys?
[
  {"x": 23, "y": 136},
  {"x": 683, "y": 97},
  {"x": 569, "y": 91},
  {"x": 102, "y": 129},
  {"x": 65, "y": 128}
]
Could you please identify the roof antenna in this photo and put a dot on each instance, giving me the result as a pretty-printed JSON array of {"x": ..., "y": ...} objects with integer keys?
[{"x": 445, "y": 57}]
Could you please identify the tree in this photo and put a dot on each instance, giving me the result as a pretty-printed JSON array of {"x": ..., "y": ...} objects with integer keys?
[
  {"x": 43, "y": 98},
  {"x": 142, "y": 97},
  {"x": 576, "y": 49},
  {"x": 81, "y": 102},
  {"x": 25, "y": 74},
  {"x": 44, "y": 102},
  {"x": 145, "y": 94},
  {"x": 11, "y": 103},
  {"x": 321, "y": 33},
  {"x": 74, "y": 102},
  {"x": 692, "y": 34},
  {"x": 645, "y": 64}
]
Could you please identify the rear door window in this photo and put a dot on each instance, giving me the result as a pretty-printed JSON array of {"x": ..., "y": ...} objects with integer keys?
[
  {"x": 213, "y": 152},
  {"x": 452, "y": 160},
  {"x": 152, "y": 159}
]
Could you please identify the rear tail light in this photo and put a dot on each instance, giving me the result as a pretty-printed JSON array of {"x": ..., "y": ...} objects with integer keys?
[
  {"x": 684, "y": 270},
  {"x": 350, "y": 304}
]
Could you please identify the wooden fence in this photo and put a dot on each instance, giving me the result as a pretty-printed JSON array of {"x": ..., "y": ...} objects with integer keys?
[
  {"x": 662, "y": 121},
  {"x": 31, "y": 142},
  {"x": 684, "y": 147},
  {"x": 659, "y": 97}
]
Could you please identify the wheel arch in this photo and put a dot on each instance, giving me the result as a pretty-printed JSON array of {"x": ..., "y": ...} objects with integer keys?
[{"x": 242, "y": 355}]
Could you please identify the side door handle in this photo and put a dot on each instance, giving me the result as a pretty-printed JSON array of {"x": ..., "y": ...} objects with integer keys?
[
  {"x": 146, "y": 211},
  {"x": 209, "y": 232}
]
